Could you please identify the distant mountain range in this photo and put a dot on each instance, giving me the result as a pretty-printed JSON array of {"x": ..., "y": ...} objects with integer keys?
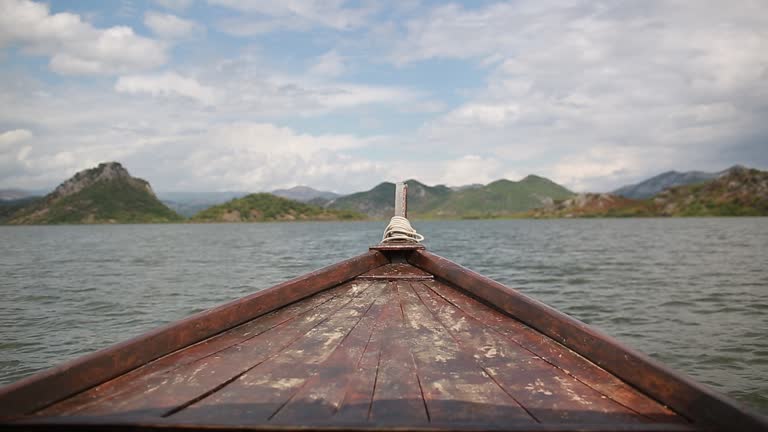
[
  {"x": 188, "y": 204},
  {"x": 737, "y": 191},
  {"x": 108, "y": 194},
  {"x": 20, "y": 194},
  {"x": 500, "y": 198},
  {"x": 264, "y": 207},
  {"x": 305, "y": 194},
  {"x": 654, "y": 185}
]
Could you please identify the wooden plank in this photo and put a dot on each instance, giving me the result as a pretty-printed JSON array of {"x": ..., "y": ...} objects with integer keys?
[
  {"x": 550, "y": 395},
  {"x": 166, "y": 393},
  {"x": 357, "y": 401},
  {"x": 671, "y": 388},
  {"x": 455, "y": 387},
  {"x": 142, "y": 378},
  {"x": 99, "y": 425},
  {"x": 396, "y": 271},
  {"x": 47, "y": 387},
  {"x": 258, "y": 395},
  {"x": 397, "y": 395},
  {"x": 322, "y": 395},
  {"x": 567, "y": 360}
]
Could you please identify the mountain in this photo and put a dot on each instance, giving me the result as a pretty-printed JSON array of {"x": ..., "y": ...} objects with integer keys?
[
  {"x": 465, "y": 187},
  {"x": 656, "y": 184},
  {"x": 188, "y": 204},
  {"x": 17, "y": 194},
  {"x": 304, "y": 194},
  {"x": 500, "y": 198},
  {"x": 379, "y": 202},
  {"x": 105, "y": 194},
  {"x": 592, "y": 205},
  {"x": 9, "y": 207},
  {"x": 264, "y": 207},
  {"x": 738, "y": 191}
]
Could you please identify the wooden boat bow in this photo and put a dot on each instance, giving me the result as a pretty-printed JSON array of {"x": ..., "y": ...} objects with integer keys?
[{"x": 397, "y": 338}]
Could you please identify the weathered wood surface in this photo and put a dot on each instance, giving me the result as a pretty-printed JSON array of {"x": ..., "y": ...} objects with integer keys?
[
  {"x": 683, "y": 395},
  {"x": 396, "y": 271},
  {"x": 368, "y": 354},
  {"x": 45, "y": 388}
]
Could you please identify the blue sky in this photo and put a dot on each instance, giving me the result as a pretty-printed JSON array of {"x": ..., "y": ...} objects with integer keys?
[{"x": 206, "y": 95}]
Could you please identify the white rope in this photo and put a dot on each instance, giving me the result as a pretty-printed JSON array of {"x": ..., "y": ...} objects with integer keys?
[{"x": 400, "y": 230}]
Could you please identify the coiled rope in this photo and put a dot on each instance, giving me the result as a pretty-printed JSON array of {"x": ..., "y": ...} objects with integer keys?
[{"x": 400, "y": 230}]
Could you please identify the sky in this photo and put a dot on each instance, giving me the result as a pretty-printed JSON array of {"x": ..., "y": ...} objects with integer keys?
[{"x": 253, "y": 95}]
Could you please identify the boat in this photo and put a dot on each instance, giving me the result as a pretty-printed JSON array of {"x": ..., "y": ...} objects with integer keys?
[{"x": 397, "y": 338}]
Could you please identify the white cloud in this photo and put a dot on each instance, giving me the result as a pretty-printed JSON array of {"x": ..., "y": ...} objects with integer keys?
[
  {"x": 74, "y": 46},
  {"x": 264, "y": 15},
  {"x": 170, "y": 26},
  {"x": 592, "y": 93},
  {"x": 330, "y": 64},
  {"x": 11, "y": 137},
  {"x": 166, "y": 84}
]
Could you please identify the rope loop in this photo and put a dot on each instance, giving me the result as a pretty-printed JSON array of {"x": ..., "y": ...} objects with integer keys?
[{"x": 400, "y": 230}]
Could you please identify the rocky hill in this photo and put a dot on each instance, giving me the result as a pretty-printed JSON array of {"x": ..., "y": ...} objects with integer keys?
[
  {"x": 500, "y": 198},
  {"x": 264, "y": 207},
  {"x": 305, "y": 194},
  {"x": 738, "y": 191},
  {"x": 105, "y": 194},
  {"x": 591, "y": 205},
  {"x": 656, "y": 184}
]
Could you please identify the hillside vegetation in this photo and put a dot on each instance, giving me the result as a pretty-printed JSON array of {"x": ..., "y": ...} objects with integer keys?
[
  {"x": 105, "y": 194},
  {"x": 497, "y": 199},
  {"x": 264, "y": 207},
  {"x": 737, "y": 192}
]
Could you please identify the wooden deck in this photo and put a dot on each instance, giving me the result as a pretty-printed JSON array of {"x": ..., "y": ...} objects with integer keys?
[{"x": 392, "y": 348}]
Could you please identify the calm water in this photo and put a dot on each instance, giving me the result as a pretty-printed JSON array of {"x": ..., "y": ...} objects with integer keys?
[{"x": 692, "y": 293}]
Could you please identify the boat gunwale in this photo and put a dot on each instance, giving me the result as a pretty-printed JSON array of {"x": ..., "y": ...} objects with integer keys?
[
  {"x": 52, "y": 385},
  {"x": 684, "y": 395}
]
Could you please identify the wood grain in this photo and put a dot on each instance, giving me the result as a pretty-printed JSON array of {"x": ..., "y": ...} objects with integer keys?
[{"x": 680, "y": 393}]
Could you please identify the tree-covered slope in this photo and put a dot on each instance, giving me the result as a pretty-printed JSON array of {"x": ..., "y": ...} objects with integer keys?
[
  {"x": 737, "y": 192},
  {"x": 502, "y": 197},
  {"x": 264, "y": 207},
  {"x": 105, "y": 194},
  {"x": 379, "y": 202}
]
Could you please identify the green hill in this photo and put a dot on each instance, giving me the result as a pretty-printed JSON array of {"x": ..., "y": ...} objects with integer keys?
[
  {"x": 105, "y": 194},
  {"x": 264, "y": 207},
  {"x": 737, "y": 192},
  {"x": 379, "y": 202},
  {"x": 500, "y": 198}
]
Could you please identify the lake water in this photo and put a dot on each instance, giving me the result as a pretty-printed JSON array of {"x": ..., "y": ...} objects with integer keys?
[{"x": 692, "y": 293}]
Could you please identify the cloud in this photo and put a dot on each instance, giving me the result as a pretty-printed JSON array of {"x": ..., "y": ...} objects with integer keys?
[
  {"x": 168, "y": 26},
  {"x": 14, "y": 151},
  {"x": 330, "y": 64},
  {"x": 299, "y": 15},
  {"x": 11, "y": 137},
  {"x": 591, "y": 94},
  {"x": 166, "y": 84},
  {"x": 75, "y": 47}
]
